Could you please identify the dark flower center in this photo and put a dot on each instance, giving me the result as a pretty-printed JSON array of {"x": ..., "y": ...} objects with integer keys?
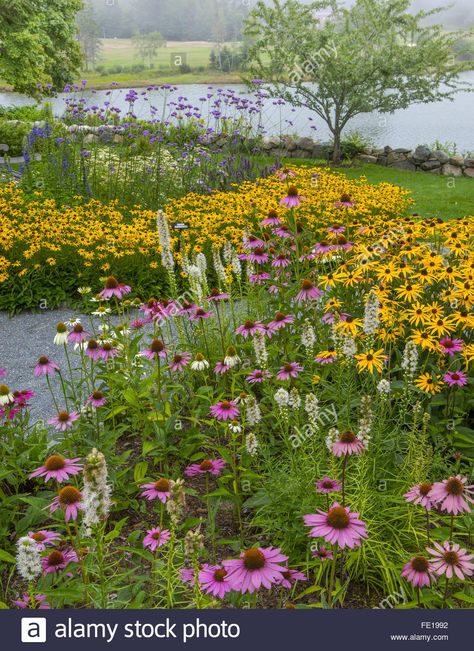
[
  {"x": 157, "y": 346},
  {"x": 451, "y": 557},
  {"x": 279, "y": 316},
  {"x": 454, "y": 486},
  {"x": 39, "y": 537},
  {"x": 249, "y": 324},
  {"x": 292, "y": 191},
  {"x": 347, "y": 437},
  {"x": 420, "y": 564},
  {"x": 61, "y": 327},
  {"x": 370, "y": 357},
  {"x": 92, "y": 344},
  {"x": 225, "y": 404},
  {"x": 78, "y": 328},
  {"x": 219, "y": 575},
  {"x": 425, "y": 488},
  {"x": 156, "y": 535},
  {"x": 111, "y": 283},
  {"x": 63, "y": 416},
  {"x": 338, "y": 517},
  {"x": 345, "y": 198},
  {"x": 43, "y": 360},
  {"x": 54, "y": 462},
  {"x": 55, "y": 558},
  {"x": 97, "y": 395},
  {"x": 162, "y": 485},
  {"x": 69, "y": 495},
  {"x": 205, "y": 465},
  {"x": 306, "y": 284},
  {"x": 327, "y": 484},
  {"x": 254, "y": 559},
  {"x": 107, "y": 347},
  {"x": 287, "y": 368}
]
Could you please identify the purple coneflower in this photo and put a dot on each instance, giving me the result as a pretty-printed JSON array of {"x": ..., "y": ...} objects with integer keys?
[
  {"x": 450, "y": 559},
  {"x": 221, "y": 367},
  {"x": 418, "y": 494},
  {"x": 455, "y": 378},
  {"x": 93, "y": 349},
  {"x": 45, "y": 367},
  {"x": 338, "y": 526},
  {"x": 40, "y": 602},
  {"x": 64, "y": 420},
  {"x": 225, "y": 410},
  {"x": 156, "y": 537},
  {"x": 322, "y": 247},
  {"x": 451, "y": 346},
  {"x": 108, "y": 351},
  {"x": 114, "y": 288},
  {"x": 348, "y": 443},
  {"x": 419, "y": 572},
  {"x": 157, "y": 349},
  {"x": 216, "y": 295},
  {"x": 271, "y": 219},
  {"x": 336, "y": 228},
  {"x": 258, "y": 376},
  {"x": 253, "y": 242},
  {"x": 78, "y": 335},
  {"x": 69, "y": 499},
  {"x": 280, "y": 320},
  {"x": 57, "y": 560},
  {"x": 292, "y": 199},
  {"x": 281, "y": 261},
  {"x": 97, "y": 399},
  {"x": 256, "y": 567},
  {"x": 160, "y": 489},
  {"x": 213, "y": 580},
  {"x": 289, "y": 370},
  {"x": 308, "y": 292},
  {"x": 290, "y": 577},
  {"x": 344, "y": 202},
  {"x": 284, "y": 174},
  {"x": 43, "y": 538},
  {"x": 327, "y": 485},
  {"x": 207, "y": 466},
  {"x": 179, "y": 361},
  {"x": 199, "y": 314},
  {"x": 323, "y": 553},
  {"x": 58, "y": 468},
  {"x": 452, "y": 495}
]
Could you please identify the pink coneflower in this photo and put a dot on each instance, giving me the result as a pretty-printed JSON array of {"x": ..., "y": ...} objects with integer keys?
[
  {"x": 419, "y": 572},
  {"x": 179, "y": 361},
  {"x": 45, "y": 367},
  {"x": 157, "y": 349},
  {"x": 43, "y": 538},
  {"x": 328, "y": 318},
  {"x": 78, "y": 335},
  {"x": 221, "y": 367},
  {"x": 327, "y": 485},
  {"x": 308, "y": 292},
  {"x": 259, "y": 279},
  {"x": 258, "y": 255},
  {"x": 292, "y": 199},
  {"x": 138, "y": 324},
  {"x": 283, "y": 231},
  {"x": 255, "y": 568},
  {"x": 280, "y": 320},
  {"x": 58, "y": 468},
  {"x": 187, "y": 308},
  {"x": 281, "y": 261},
  {"x": 108, "y": 351},
  {"x": 323, "y": 553},
  {"x": 216, "y": 295},
  {"x": 40, "y": 602},
  {"x": 186, "y": 574},
  {"x": 199, "y": 314},
  {"x": 289, "y": 370},
  {"x": 97, "y": 399},
  {"x": 452, "y": 495},
  {"x": 69, "y": 499},
  {"x": 455, "y": 378},
  {"x": 450, "y": 559},
  {"x": 344, "y": 202},
  {"x": 156, "y": 537},
  {"x": 290, "y": 577},
  {"x": 58, "y": 560},
  {"x": 213, "y": 580},
  {"x": 93, "y": 349},
  {"x": 338, "y": 526},
  {"x": 258, "y": 376},
  {"x": 348, "y": 443},
  {"x": 271, "y": 219},
  {"x": 225, "y": 410},
  {"x": 418, "y": 494},
  {"x": 209, "y": 466},
  {"x": 326, "y": 357},
  {"x": 114, "y": 288},
  {"x": 451, "y": 346},
  {"x": 253, "y": 242},
  {"x": 336, "y": 228},
  {"x": 342, "y": 243},
  {"x": 284, "y": 174},
  {"x": 64, "y": 420},
  {"x": 160, "y": 489},
  {"x": 322, "y": 247}
]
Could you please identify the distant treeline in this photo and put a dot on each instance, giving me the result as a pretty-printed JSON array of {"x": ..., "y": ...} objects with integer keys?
[{"x": 188, "y": 20}]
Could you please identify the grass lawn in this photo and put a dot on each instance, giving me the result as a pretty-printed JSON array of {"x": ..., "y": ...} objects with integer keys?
[{"x": 438, "y": 196}]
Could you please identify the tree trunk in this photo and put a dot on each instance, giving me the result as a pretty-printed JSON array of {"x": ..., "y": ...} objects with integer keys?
[{"x": 337, "y": 151}]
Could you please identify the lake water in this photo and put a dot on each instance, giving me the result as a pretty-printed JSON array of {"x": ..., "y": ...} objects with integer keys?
[{"x": 447, "y": 121}]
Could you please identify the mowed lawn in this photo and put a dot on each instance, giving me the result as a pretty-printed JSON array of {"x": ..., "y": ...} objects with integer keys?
[{"x": 434, "y": 196}]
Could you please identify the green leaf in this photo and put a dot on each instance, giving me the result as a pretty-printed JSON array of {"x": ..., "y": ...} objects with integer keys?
[
  {"x": 6, "y": 557},
  {"x": 140, "y": 470}
]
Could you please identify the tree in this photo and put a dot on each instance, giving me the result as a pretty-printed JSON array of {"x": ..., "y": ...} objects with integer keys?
[
  {"x": 38, "y": 44},
  {"x": 147, "y": 44},
  {"x": 89, "y": 35},
  {"x": 340, "y": 62}
]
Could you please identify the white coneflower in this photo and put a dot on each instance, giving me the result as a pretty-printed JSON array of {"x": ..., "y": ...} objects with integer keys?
[
  {"x": 176, "y": 501},
  {"x": 348, "y": 347},
  {"x": 261, "y": 353},
  {"x": 6, "y": 396},
  {"x": 84, "y": 290},
  {"x": 371, "y": 314},
  {"x": 252, "y": 411},
  {"x": 235, "y": 427},
  {"x": 199, "y": 363},
  {"x": 167, "y": 258},
  {"x": 96, "y": 491},
  {"x": 102, "y": 310},
  {"x": 308, "y": 336},
  {"x": 219, "y": 267},
  {"x": 332, "y": 437},
  {"x": 251, "y": 444},
  {"x": 28, "y": 559},
  {"x": 366, "y": 420},
  {"x": 410, "y": 358},
  {"x": 193, "y": 543},
  {"x": 61, "y": 335},
  {"x": 231, "y": 358},
  {"x": 311, "y": 407},
  {"x": 73, "y": 321},
  {"x": 383, "y": 387},
  {"x": 294, "y": 400}
]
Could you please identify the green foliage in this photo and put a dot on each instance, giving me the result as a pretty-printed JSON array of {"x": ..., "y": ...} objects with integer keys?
[{"x": 13, "y": 134}]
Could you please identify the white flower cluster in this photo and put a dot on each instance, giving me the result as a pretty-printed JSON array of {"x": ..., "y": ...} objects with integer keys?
[
  {"x": 193, "y": 542},
  {"x": 308, "y": 336},
  {"x": 96, "y": 491},
  {"x": 348, "y": 347},
  {"x": 371, "y": 314},
  {"x": 410, "y": 358},
  {"x": 260, "y": 349},
  {"x": 311, "y": 407},
  {"x": 384, "y": 388},
  {"x": 165, "y": 241},
  {"x": 252, "y": 410},
  {"x": 366, "y": 420},
  {"x": 282, "y": 398},
  {"x": 294, "y": 399},
  {"x": 28, "y": 559},
  {"x": 176, "y": 501},
  {"x": 231, "y": 257},
  {"x": 332, "y": 437},
  {"x": 251, "y": 444}
]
